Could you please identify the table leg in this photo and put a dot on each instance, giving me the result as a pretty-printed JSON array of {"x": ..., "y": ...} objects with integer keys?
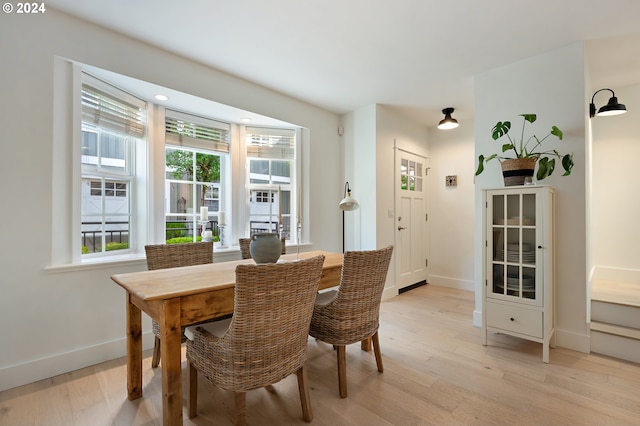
[
  {"x": 134, "y": 350},
  {"x": 170, "y": 342}
]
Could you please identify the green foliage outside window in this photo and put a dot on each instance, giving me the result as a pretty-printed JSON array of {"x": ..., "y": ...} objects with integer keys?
[
  {"x": 207, "y": 167},
  {"x": 183, "y": 240},
  {"x": 175, "y": 230}
]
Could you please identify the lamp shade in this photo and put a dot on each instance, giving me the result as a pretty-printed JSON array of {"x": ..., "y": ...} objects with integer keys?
[
  {"x": 348, "y": 203},
  {"x": 613, "y": 107}
]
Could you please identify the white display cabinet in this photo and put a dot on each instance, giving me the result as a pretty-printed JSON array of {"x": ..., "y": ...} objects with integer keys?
[{"x": 518, "y": 292}]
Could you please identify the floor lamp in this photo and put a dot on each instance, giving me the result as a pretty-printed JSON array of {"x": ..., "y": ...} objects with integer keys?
[{"x": 348, "y": 204}]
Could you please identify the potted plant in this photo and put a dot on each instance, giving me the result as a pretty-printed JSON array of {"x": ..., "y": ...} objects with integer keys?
[{"x": 527, "y": 152}]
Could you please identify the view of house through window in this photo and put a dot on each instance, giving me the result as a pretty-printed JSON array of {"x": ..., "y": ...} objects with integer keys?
[
  {"x": 111, "y": 122},
  {"x": 270, "y": 165}
]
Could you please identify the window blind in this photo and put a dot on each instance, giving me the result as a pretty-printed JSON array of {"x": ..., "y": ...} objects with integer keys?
[
  {"x": 116, "y": 111},
  {"x": 185, "y": 130},
  {"x": 263, "y": 142}
]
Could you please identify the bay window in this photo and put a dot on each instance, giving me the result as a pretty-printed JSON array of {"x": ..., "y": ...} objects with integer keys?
[{"x": 144, "y": 173}]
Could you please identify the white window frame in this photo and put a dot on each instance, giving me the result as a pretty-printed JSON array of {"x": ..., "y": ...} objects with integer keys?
[
  {"x": 274, "y": 154},
  {"x": 129, "y": 175},
  {"x": 219, "y": 147}
]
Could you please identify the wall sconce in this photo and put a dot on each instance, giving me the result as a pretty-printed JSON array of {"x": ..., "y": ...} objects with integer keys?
[
  {"x": 447, "y": 122},
  {"x": 613, "y": 107}
]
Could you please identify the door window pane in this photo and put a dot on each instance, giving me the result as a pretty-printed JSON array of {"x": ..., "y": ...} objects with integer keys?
[{"x": 411, "y": 178}]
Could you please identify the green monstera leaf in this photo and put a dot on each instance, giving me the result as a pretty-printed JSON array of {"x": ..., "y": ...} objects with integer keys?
[
  {"x": 482, "y": 160},
  {"x": 567, "y": 164},
  {"x": 545, "y": 167},
  {"x": 507, "y": 146},
  {"x": 480, "y": 168},
  {"x": 500, "y": 129},
  {"x": 556, "y": 132}
]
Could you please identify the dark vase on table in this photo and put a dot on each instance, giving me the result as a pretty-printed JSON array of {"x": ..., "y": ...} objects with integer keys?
[{"x": 265, "y": 248}]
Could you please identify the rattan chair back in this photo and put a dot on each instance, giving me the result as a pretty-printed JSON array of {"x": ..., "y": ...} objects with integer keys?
[
  {"x": 352, "y": 315},
  {"x": 164, "y": 256},
  {"x": 267, "y": 337}
]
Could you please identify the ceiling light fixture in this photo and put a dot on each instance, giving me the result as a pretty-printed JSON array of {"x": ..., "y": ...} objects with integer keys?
[
  {"x": 162, "y": 97},
  {"x": 447, "y": 122},
  {"x": 613, "y": 107},
  {"x": 245, "y": 120}
]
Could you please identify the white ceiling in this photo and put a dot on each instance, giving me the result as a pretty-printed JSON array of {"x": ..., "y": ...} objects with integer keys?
[{"x": 417, "y": 55}]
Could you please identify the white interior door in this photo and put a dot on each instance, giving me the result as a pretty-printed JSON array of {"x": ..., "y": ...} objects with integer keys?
[{"x": 411, "y": 219}]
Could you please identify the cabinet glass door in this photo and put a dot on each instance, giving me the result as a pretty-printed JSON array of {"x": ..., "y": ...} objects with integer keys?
[{"x": 512, "y": 246}]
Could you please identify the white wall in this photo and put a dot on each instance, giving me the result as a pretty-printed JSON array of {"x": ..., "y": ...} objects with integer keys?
[
  {"x": 553, "y": 86},
  {"x": 451, "y": 214},
  {"x": 370, "y": 134},
  {"x": 54, "y": 322},
  {"x": 361, "y": 223},
  {"x": 393, "y": 130},
  {"x": 615, "y": 201}
]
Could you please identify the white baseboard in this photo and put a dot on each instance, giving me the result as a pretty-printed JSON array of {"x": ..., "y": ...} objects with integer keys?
[
  {"x": 390, "y": 292},
  {"x": 573, "y": 341},
  {"x": 44, "y": 368},
  {"x": 477, "y": 318},
  {"x": 451, "y": 282}
]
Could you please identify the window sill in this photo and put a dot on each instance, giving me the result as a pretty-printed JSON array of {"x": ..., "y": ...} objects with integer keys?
[
  {"x": 100, "y": 263},
  {"x": 219, "y": 255}
]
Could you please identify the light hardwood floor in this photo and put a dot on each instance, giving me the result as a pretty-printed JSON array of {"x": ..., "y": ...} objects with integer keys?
[{"x": 436, "y": 373}]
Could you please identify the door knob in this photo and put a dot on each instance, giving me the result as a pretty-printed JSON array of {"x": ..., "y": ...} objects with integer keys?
[{"x": 400, "y": 228}]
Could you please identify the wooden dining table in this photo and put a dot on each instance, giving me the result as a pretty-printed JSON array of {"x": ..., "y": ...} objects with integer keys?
[{"x": 182, "y": 296}]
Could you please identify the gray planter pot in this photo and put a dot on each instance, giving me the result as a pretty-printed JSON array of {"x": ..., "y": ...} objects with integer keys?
[{"x": 265, "y": 248}]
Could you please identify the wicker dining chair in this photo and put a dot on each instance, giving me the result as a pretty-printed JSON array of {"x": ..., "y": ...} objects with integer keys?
[
  {"x": 163, "y": 256},
  {"x": 244, "y": 244},
  {"x": 265, "y": 340},
  {"x": 351, "y": 313}
]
